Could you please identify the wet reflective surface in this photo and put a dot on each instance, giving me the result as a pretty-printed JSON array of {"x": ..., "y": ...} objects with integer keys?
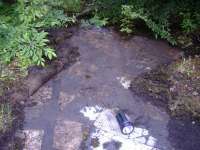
[{"x": 100, "y": 79}]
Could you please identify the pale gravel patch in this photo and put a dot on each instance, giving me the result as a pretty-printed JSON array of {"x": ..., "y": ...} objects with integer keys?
[
  {"x": 33, "y": 139},
  {"x": 67, "y": 135},
  {"x": 125, "y": 82},
  {"x": 107, "y": 130}
]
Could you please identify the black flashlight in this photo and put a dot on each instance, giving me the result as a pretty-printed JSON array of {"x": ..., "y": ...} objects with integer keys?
[{"x": 125, "y": 124}]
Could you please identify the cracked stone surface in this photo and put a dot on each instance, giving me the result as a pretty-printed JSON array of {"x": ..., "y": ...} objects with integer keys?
[{"x": 85, "y": 95}]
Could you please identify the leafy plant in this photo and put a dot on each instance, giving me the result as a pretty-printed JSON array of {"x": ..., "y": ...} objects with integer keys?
[
  {"x": 159, "y": 16},
  {"x": 98, "y": 22},
  {"x": 22, "y": 37},
  {"x": 188, "y": 24},
  {"x": 33, "y": 46},
  {"x": 129, "y": 15},
  {"x": 72, "y": 5}
]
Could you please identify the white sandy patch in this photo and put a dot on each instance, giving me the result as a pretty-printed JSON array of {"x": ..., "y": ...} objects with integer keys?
[
  {"x": 33, "y": 140},
  {"x": 107, "y": 130},
  {"x": 125, "y": 82},
  {"x": 91, "y": 112}
]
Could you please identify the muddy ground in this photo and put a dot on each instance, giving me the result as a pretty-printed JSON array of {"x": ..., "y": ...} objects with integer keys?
[{"x": 66, "y": 103}]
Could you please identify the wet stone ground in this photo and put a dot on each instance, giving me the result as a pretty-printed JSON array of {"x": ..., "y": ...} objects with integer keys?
[{"x": 75, "y": 110}]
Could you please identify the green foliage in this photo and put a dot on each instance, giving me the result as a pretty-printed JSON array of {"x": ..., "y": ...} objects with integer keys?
[
  {"x": 98, "y": 22},
  {"x": 33, "y": 46},
  {"x": 110, "y": 9},
  {"x": 21, "y": 36},
  {"x": 129, "y": 14},
  {"x": 94, "y": 21},
  {"x": 158, "y": 15},
  {"x": 188, "y": 24},
  {"x": 72, "y": 5}
]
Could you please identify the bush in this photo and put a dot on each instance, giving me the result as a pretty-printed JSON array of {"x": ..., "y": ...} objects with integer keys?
[
  {"x": 72, "y": 5},
  {"x": 22, "y": 35},
  {"x": 159, "y": 15},
  {"x": 6, "y": 118}
]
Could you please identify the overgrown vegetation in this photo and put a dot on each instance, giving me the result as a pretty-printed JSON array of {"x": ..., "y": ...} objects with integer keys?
[
  {"x": 166, "y": 19},
  {"x": 24, "y": 43},
  {"x": 22, "y": 35}
]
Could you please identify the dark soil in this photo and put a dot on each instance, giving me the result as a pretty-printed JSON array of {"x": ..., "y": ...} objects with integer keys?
[
  {"x": 174, "y": 87},
  {"x": 154, "y": 85}
]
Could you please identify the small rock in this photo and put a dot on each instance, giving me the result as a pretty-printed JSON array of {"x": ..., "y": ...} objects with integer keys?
[
  {"x": 195, "y": 93},
  {"x": 172, "y": 89},
  {"x": 148, "y": 68},
  {"x": 22, "y": 102}
]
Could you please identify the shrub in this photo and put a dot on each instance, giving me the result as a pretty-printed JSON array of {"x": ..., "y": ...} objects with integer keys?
[
  {"x": 98, "y": 22},
  {"x": 22, "y": 35},
  {"x": 72, "y": 5},
  {"x": 129, "y": 14},
  {"x": 159, "y": 15}
]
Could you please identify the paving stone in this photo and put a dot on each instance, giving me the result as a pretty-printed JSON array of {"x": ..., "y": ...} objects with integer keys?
[
  {"x": 67, "y": 135},
  {"x": 64, "y": 99}
]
